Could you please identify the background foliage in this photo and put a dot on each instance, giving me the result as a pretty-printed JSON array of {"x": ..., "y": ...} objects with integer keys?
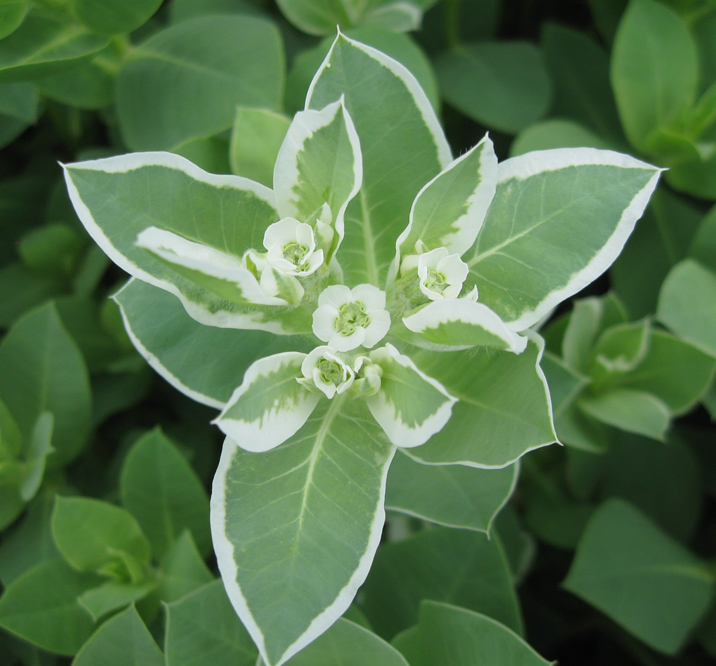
[{"x": 601, "y": 551}]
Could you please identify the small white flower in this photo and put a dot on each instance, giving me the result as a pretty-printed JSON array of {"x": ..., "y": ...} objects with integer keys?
[
  {"x": 348, "y": 318},
  {"x": 323, "y": 370},
  {"x": 291, "y": 248},
  {"x": 368, "y": 377},
  {"x": 441, "y": 274}
]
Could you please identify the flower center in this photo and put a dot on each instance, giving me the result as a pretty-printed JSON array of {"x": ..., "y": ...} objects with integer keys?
[
  {"x": 436, "y": 281},
  {"x": 351, "y": 316},
  {"x": 295, "y": 253},
  {"x": 331, "y": 371}
]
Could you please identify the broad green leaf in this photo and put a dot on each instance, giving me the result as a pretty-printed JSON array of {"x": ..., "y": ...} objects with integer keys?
[
  {"x": 646, "y": 582},
  {"x": 35, "y": 456},
  {"x": 295, "y": 528},
  {"x": 628, "y": 409},
  {"x": 111, "y": 596},
  {"x": 170, "y": 341},
  {"x": 455, "y": 566},
  {"x": 696, "y": 177},
  {"x": 556, "y": 133},
  {"x": 12, "y": 14},
  {"x": 89, "y": 85},
  {"x": 450, "y": 209},
  {"x": 397, "y": 16},
  {"x": 203, "y": 627},
  {"x": 44, "y": 45},
  {"x": 52, "y": 250},
  {"x": 234, "y": 211},
  {"x": 10, "y": 435},
  {"x": 319, "y": 17},
  {"x": 41, "y": 607},
  {"x": 554, "y": 517},
  {"x": 618, "y": 350},
  {"x": 606, "y": 14},
  {"x": 122, "y": 641},
  {"x": 25, "y": 290},
  {"x": 209, "y": 153},
  {"x": 486, "y": 430},
  {"x": 318, "y": 163},
  {"x": 451, "y": 495},
  {"x": 580, "y": 73},
  {"x": 183, "y": 570},
  {"x": 672, "y": 370},
  {"x": 94, "y": 535},
  {"x": 350, "y": 645},
  {"x": 183, "y": 10},
  {"x": 186, "y": 81},
  {"x": 402, "y": 143},
  {"x": 41, "y": 370},
  {"x": 502, "y": 85},
  {"x": 256, "y": 138},
  {"x": 453, "y": 324},
  {"x": 686, "y": 304},
  {"x": 564, "y": 383},
  {"x": 11, "y": 504},
  {"x": 18, "y": 100},
  {"x": 161, "y": 490},
  {"x": 546, "y": 237},
  {"x": 270, "y": 405},
  {"x": 408, "y": 644},
  {"x": 111, "y": 17},
  {"x": 518, "y": 544},
  {"x": 654, "y": 69},
  {"x": 579, "y": 430},
  {"x": 459, "y": 637},
  {"x": 410, "y": 405}
]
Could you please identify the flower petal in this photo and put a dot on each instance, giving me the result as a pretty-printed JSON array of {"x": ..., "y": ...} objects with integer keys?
[{"x": 377, "y": 329}]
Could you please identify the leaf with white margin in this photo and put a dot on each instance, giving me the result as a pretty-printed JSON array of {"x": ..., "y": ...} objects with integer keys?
[
  {"x": 558, "y": 220},
  {"x": 119, "y": 197},
  {"x": 270, "y": 405},
  {"x": 319, "y": 162},
  {"x": 403, "y": 147},
  {"x": 504, "y": 407},
  {"x": 460, "y": 323},
  {"x": 295, "y": 528},
  {"x": 410, "y": 406},
  {"x": 172, "y": 342},
  {"x": 449, "y": 211}
]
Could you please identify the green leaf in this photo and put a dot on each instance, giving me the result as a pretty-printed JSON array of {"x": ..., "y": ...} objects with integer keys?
[
  {"x": 554, "y": 517},
  {"x": 161, "y": 490},
  {"x": 256, "y": 137},
  {"x": 170, "y": 341},
  {"x": 111, "y": 596},
  {"x": 555, "y": 133},
  {"x": 183, "y": 10},
  {"x": 451, "y": 495},
  {"x": 686, "y": 304},
  {"x": 10, "y": 435},
  {"x": 456, "y": 566},
  {"x": 183, "y": 570},
  {"x": 485, "y": 430},
  {"x": 52, "y": 250},
  {"x": 35, "y": 455},
  {"x": 89, "y": 85},
  {"x": 41, "y": 370},
  {"x": 318, "y": 17},
  {"x": 12, "y": 14},
  {"x": 44, "y": 45},
  {"x": 41, "y": 607},
  {"x": 545, "y": 237},
  {"x": 122, "y": 641},
  {"x": 647, "y": 583},
  {"x": 564, "y": 384},
  {"x": 202, "y": 626},
  {"x": 578, "y": 429},
  {"x": 25, "y": 290},
  {"x": 402, "y": 143},
  {"x": 94, "y": 535},
  {"x": 18, "y": 100},
  {"x": 111, "y": 17},
  {"x": 696, "y": 176},
  {"x": 654, "y": 69},
  {"x": 459, "y": 637},
  {"x": 186, "y": 81},
  {"x": 235, "y": 213},
  {"x": 618, "y": 350},
  {"x": 295, "y": 528},
  {"x": 502, "y": 85},
  {"x": 703, "y": 246}
]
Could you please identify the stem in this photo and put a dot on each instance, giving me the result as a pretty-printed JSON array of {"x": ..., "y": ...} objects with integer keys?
[{"x": 452, "y": 24}]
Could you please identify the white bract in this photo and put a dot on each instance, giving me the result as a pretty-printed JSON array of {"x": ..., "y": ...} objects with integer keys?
[
  {"x": 324, "y": 370},
  {"x": 349, "y": 318},
  {"x": 291, "y": 248},
  {"x": 441, "y": 274}
]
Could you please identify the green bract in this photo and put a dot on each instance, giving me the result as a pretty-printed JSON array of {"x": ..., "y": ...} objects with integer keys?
[{"x": 379, "y": 296}]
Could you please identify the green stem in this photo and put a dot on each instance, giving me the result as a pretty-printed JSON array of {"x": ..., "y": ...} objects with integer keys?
[{"x": 452, "y": 23}]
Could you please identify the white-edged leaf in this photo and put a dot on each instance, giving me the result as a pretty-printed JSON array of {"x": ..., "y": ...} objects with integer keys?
[
  {"x": 558, "y": 220},
  {"x": 119, "y": 197},
  {"x": 319, "y": 162},
  {"x": 410, "y": 406},
  {"x": 460, "y": 323},
  {"x": 270, "y": 405},
  {"x": 295, "y": 528},
  {"x": 394, "y": 16},
  {"x": 450, "y": 209},
  {"x": 402, "y": 143}
]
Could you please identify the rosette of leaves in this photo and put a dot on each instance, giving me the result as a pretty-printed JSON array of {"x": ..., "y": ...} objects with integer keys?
[{"x": 378, "y": 297}]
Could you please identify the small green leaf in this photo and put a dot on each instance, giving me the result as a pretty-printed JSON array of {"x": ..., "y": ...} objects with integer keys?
[
  {"x": 41, "y": 607},
  {"x": 564, "y": 384},
  {"x": 92, "y": 535},
  {"x": 578, "y": 429},
  {"x": 556, "y": 133},
  {"x": 647, "y": 583},
  {"x": 183, "y": 570},
  {"x": 111, "y": 596},
  {"x": 12, "y": 14},
  {"x": 318, "y": 17},
  {"x": 111, "y": 17},
  {"x": 164, "y": 494},
  {"x": 451, "y": 495},
  {"x": 122, "y": 641},
  {"x": 618, "y": 350}
]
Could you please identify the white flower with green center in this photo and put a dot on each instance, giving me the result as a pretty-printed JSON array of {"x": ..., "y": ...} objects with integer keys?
[
  {"x": 325, "y": 371},
  {"x": 291, "y": 248},
  {"x": 348, "y": 318},
  {"x": 441, "y": 274}
]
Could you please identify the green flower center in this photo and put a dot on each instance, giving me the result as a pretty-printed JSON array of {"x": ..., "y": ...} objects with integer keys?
[
  {"x": 295, "y": 253},
  {"x": 436, "y": 281},
  {"x": 331, "y": 371},
  {"x": 350, "y": 316}
]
